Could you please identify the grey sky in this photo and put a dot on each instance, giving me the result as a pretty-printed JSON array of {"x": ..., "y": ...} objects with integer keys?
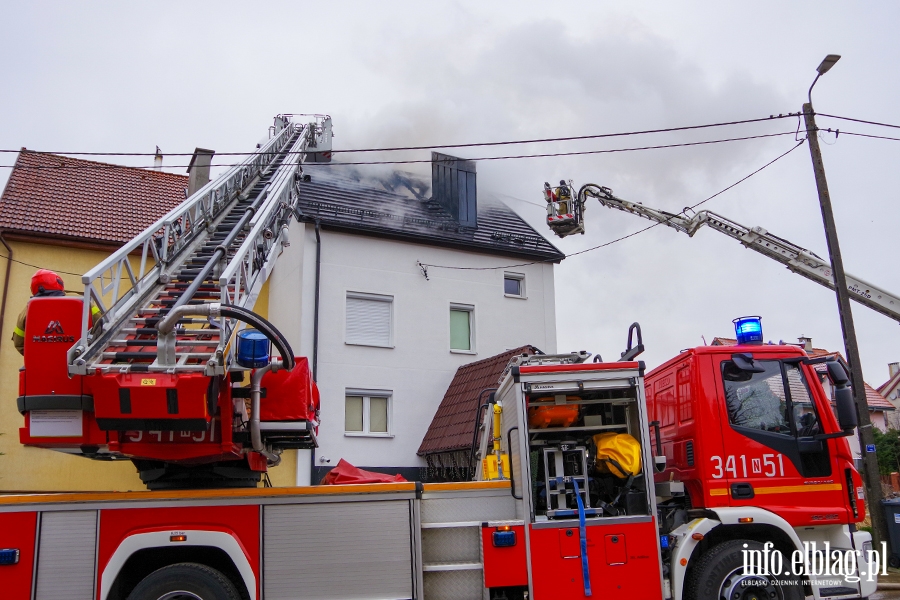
[{"x": 127, "y": 77}]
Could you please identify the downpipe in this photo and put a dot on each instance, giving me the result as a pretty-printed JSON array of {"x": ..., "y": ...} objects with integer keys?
[
  {"x": 255, "y": 393},
  {"x": 9, "y": 261},
  {"x": 315, "y": 356}
]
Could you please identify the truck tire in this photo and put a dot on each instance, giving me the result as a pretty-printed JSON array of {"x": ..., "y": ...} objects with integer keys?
[
  {"x": 718, "y": 575},
  {"x": 185, "y": 581}
]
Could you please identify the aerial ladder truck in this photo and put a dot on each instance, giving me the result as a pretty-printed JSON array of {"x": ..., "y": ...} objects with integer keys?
[
  {"x": 160, "y": 379},
  {"x": 565, "y": 216}
]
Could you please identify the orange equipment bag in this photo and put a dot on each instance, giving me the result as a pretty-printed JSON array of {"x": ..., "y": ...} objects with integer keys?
[{"x": 552, "y": 415}]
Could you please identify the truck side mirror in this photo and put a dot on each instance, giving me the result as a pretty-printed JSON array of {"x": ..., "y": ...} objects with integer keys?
[
  {"x": 837, "y": 373},
  {"x": 846, "y": 408}
]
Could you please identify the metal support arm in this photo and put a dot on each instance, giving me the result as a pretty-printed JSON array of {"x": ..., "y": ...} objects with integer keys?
[{"x": 794, "y": 257}]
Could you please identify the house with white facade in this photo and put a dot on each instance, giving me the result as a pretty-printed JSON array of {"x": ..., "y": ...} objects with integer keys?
[{"x": 388, "y": 287}]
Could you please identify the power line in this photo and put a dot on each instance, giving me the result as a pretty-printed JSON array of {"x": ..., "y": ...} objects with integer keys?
[
  {"x": 634, "y": 233},
  {"x": 865, "y": 135},
  {"x": 38, "y": 267},
  {"x": 445, "y": 146},
  {"x": 100, "y": 166},
  {"x": 859, "y": 121}
]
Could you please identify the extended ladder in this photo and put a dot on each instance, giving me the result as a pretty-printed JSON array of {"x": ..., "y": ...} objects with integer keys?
[{"x": 217, "y": 247}]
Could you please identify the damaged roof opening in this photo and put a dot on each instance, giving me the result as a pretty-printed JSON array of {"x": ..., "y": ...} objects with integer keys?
[{"x": 400, "y": 205}]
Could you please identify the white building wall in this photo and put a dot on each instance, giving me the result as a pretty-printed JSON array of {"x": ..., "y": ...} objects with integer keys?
[{"x": 419, "y": 366}]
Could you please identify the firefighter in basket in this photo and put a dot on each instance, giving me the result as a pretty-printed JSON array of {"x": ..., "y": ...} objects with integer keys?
[{"x": 44, "y": 284}]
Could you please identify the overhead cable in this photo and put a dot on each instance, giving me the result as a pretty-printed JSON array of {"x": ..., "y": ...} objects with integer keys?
[
  {"x": 859, "y": 120},
  {"x": 100, "y": 166},
  {"x": 445, "y": 146},
  {"x": 482, "y": 144}
]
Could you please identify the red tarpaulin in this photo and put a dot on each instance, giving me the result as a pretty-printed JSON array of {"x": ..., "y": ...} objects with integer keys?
[{"x": 345, "y": 473}]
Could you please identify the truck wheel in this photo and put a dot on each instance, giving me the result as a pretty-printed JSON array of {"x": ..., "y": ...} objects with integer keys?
[
  {"x": 719, "y": 575},
  {"x": 185, "y": 581}
]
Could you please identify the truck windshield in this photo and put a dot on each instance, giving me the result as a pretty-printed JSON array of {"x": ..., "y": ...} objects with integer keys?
[
  {"x": 761, "y": 401},
  {"x": 757, "y": 400}
]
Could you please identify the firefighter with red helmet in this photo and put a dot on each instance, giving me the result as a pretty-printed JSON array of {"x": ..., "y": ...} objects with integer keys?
[{"x": 44, "y": 283}]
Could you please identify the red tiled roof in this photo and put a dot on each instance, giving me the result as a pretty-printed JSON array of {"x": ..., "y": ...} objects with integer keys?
[
  {"x": 454, "y": 422},
  {"x": 52, "y": 195},
  {"x": 874, "y": 399}
]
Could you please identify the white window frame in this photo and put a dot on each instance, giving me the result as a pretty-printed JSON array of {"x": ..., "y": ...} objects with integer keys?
[
  {"x": 520, "y": 277},
  {"x": 469, "y": 308},
  {"x": 367, "y": 395},
  {"x": 375, "y": 298}
]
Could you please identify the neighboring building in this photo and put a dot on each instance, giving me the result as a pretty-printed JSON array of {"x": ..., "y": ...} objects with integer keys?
[
  {"x": 890, "y": 389},
  {"x": 67, "y": 215},
  {"x": 393, "y": 326},
  {"x": 880, "y": 410},
  {"x": 448, "y": 446}
]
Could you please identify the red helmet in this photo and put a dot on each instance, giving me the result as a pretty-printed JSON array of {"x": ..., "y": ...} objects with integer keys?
[{"x": 46, "y": 281}]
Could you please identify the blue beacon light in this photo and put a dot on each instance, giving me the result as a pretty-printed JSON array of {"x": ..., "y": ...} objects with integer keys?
[
  {"x": 252, "y": 349},
  {"x": 748, "y": 330}
]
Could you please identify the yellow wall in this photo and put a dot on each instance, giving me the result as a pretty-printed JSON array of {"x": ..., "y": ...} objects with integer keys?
[{"x": 35, "y": 469}]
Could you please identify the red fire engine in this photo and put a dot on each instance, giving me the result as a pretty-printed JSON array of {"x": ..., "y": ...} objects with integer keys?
[{"x": 572, "y": 511}]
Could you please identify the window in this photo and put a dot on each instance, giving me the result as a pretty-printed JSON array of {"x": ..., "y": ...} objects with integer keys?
[
  {"x": 759, "y": 400},
  {"x": 805, "y": 420},
  {"x": 369, "y": 320},
  {"x": 462, "y": 338},
  {"x": 367, "y": 413},
  {"x": 514, "y": 285},
  {"x": 756, "y": 400}
]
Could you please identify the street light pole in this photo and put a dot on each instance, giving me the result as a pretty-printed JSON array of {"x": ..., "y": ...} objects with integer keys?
[{"x": 870, "y": 473}]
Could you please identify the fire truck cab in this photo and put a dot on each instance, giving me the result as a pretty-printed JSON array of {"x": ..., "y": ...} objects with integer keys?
[{"x": 755, "y": 454}]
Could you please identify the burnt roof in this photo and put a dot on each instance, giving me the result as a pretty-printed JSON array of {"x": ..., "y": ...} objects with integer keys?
[
  {"x": 69, "y": 198},
  {"x": 396, "y": 206},
  {"x": 453, "y": 424}
]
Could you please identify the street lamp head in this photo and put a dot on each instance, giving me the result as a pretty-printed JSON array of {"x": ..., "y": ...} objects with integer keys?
[
  {"x": 823, "y": 68},
  {"x": 827, "y": 63}
]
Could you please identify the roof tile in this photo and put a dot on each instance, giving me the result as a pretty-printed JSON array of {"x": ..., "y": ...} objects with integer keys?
[
  {"x": 453, "y": 424},
  {"x": 56, "y": 195}
]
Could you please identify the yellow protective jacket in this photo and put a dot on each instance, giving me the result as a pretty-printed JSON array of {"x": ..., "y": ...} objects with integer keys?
[{"x": 18, "y": 336}]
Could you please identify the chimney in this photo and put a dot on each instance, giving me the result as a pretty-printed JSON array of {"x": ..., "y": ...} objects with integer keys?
[
  {"x": 894, "y": 368},
  {"x": 806, "y": 343},
  {"x": 199, "y": 169},
  {"x": 157, "y": 160},
  {"x": 453, "y": 187}
]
